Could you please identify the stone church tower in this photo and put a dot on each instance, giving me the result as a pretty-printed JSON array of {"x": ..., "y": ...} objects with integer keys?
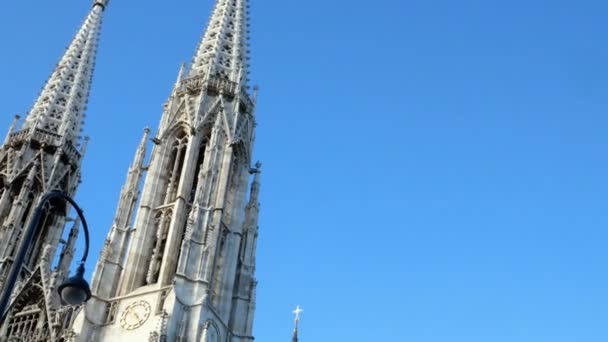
[
  {"x": 178, "y": 263},
  {"x": 42, "y": 154}
]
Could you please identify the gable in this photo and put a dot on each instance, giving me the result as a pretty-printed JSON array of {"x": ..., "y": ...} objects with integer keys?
[{"x": 27, "y": 317}]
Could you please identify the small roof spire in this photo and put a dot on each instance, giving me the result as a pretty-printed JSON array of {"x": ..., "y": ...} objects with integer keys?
[
  {"x": 296, "y": 312},
  {"x": 11, "y": 130},
  {"x": 254, "y": 192},
  {"x": 140, "y": 155},
  {"x": 180, "y": 75}
]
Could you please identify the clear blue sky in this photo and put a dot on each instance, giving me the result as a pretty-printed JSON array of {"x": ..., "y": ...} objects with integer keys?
[{"x": 434, "y": 170}]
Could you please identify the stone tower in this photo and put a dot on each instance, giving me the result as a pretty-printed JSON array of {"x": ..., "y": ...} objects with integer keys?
[
  {"x": 42, "y": 154},
  {"x": 178, "y": 263}
]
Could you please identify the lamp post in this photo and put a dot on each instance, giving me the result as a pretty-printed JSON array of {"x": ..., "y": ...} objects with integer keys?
[{"x": 74, "y": 290}]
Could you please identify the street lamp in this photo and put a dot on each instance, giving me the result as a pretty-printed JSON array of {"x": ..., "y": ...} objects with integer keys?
[{"x": 74, "y": 290}]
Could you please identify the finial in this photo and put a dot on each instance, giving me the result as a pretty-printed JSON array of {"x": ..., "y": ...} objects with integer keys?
[
  {"x": 12, "y": 129},
  {"x": 256, "y": 90},
  {"x": 180, "y": 75},
  {"x": 140, "y": 154},
  {"x": 297, "y": 312},
  {"x": 102, "y": 3},
  {"x": 85, "y": 145},
  {"x": 256, "y": 169}
]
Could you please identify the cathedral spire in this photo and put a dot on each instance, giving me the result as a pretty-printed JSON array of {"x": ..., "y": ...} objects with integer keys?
[
  {"x": 224, "y": 49},
  {"x": 194, "y": 235},
  {"x": 60, "y": 108},
  {"x": 45, "y": 154}
]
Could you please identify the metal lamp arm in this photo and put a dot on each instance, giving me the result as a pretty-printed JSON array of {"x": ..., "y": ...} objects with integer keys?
[
  {"x": 30, "y": 232},
  {"x": 85, "y": 227}
]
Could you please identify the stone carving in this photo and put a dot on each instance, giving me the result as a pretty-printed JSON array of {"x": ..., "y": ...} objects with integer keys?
[{"x": 191, "y": 242}]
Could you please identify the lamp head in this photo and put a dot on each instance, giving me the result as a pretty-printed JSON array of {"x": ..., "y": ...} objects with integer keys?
[{"x": 75, "y": 290}]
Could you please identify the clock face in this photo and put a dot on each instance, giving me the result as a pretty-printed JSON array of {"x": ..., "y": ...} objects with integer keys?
[{"x": 135, "y": 315}]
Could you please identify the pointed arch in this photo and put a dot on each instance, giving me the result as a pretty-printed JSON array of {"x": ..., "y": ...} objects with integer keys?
[
  {"x": 210, "y": 116},
  {"x": 178, "y": 128},
  {"x": 211, "y": 332},
  {"x": 27, "y": 317},
  {"x": 54, "y": 211},
  {"x": 198, "y": 171},
  {"x": 175, "y": 147},
  {"x": 162, "y": 221},
  {"x": 24, "y": 192}
]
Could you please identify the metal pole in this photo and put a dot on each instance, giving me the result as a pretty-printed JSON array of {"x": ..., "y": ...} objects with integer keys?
[{"x": 27, "y": 240}]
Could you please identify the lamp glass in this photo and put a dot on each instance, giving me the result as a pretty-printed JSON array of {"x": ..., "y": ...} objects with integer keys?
[{"x": 74, "y": 295}]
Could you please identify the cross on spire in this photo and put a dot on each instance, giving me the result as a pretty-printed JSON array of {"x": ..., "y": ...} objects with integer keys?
[{"x": 297, "y": 312}]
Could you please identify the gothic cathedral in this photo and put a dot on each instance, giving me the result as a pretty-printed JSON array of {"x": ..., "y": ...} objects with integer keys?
[{"x": 178, "y": 263}]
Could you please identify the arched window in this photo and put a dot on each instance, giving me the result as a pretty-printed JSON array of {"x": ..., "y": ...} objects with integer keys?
[
  {"x": 53, "y": 210},
  {"x": 27, "y": 319},
  {"x": 210, "y": 332},
  {"x": 199, "y": 166},
  {"x": 151, "y": 262},
  {"x": 161, "y": 224},
  {"x": 177, "y": 154},
  {"x": 235, "y": 184},
  {"x": 22, "y": 222}
]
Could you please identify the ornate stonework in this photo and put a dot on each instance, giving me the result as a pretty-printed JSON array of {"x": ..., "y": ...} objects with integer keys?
[
  {"x": 178, "y": 263},
  {"x": 60, "y": 109},
  {"x": 41, "y": 155},
  {"x": 179, "y": 260}
]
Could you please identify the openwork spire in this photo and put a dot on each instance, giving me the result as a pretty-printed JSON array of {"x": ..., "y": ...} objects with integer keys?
[
  {"x": 224, "y": 48},
  {"x": 60, "y": 108}
]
